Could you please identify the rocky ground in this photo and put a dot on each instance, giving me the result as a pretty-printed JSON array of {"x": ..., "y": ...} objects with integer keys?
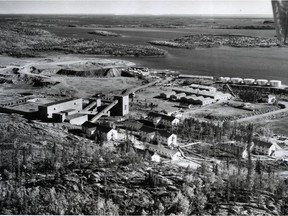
[{"x": 46, "y": 170}]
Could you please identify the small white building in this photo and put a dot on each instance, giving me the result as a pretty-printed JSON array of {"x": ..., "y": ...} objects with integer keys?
[
  {"x": 270, "y": 99},
  {"x": 156, "y": 158}
]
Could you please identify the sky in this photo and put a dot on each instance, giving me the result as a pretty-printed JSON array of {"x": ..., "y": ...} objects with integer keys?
[{"x": 155, "y": 7}]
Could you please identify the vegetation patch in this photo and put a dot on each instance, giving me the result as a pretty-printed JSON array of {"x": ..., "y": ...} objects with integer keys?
[{"x": 209, "y": 41}]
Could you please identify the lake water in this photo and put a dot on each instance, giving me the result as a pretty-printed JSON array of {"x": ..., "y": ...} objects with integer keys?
[{"x": 267, "y": 63}]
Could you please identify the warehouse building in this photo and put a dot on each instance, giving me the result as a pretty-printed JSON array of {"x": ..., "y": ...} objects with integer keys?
[
  {"x": 203, "y": 88},
  {"x": 177, "y": 96},
  {"x": 167, "y": 95},
  {"x": 70, "y": 106}
]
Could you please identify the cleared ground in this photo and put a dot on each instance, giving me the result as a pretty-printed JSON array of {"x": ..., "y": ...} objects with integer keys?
[{"x": 38, "y": 76}]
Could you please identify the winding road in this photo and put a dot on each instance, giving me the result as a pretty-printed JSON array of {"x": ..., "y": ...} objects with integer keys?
[{"x": 264, "y": 115}]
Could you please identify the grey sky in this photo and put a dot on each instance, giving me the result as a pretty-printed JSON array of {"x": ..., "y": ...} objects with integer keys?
[{"x": 217, "y": 7}]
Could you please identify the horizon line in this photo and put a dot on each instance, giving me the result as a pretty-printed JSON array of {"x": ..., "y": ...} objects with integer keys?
[{"x": 134, "y": 14}]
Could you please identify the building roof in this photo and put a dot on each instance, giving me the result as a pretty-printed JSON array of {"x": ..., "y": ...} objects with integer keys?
[
  {"x": 169, "y": 93},
  {"x": 74, "y": 116},
  {"x": 161, "y": 150},
  {"x": 103, "y": 128},
  {"x": 166, "y": 117},
  {"x": 147, "y": 129},
  {"x": 146, "y": 123},
  {"x": 164, "y": 133},
  {"x": 262, "y": 143},
  {"x": 59, "y": 102},
  {"x": 133, "y": 124},
  {"x": 68, "y": 110},
  {"x": 88, "y": 124}
]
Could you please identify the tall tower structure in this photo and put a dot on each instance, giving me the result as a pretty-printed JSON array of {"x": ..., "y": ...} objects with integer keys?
[{"x": 122, "y": 108}]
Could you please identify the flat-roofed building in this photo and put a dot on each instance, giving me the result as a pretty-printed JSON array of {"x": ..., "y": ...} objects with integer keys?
[
  {"x": 77, "y": 119},
  {"x": 46, "y": 111}
]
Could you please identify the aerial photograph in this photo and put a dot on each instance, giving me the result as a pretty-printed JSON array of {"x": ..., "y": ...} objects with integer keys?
[{"x": 144, "y": 107}]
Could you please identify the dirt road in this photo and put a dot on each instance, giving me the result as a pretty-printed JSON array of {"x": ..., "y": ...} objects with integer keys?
[{"x": 265, "y": 115}]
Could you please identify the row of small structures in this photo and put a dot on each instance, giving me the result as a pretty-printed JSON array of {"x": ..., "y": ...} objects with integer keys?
[
  {"x": 250, "y": 81},
  {"x": 196, "y": 95}
]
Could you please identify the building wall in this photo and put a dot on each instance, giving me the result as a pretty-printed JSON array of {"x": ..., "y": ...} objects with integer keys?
[
  {"x": 156, "y": 158},
  {"x": 122, "y": 108},
  {"x": 79, "y": 120},
  {"x": 147, "y": 136},
  {"x": 271, "y": 150},
  {"x": 88, "y": 131},
  {"x": 112, "y": 135},
  {"x": 176, "y": 156},
  {"x": 58, "y": 117},
  {"x": 47, "y": 112},
  {"x": 172, "y": 140}
]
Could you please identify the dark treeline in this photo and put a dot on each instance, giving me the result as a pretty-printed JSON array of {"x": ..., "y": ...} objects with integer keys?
[{"x": 193, "y": 129}]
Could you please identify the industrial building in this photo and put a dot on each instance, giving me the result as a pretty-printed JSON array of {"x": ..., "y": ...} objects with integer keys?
[
  {"x": 203, "y": 88},
  {"x": 193, "y": 95},
  {"x": 167, "y": 95},
  {"x": 71, "y": 110},
  {"x": 198, "y": 100},
  {"x": 69, "y": 105},
  {"x": 177, "y": 96}
]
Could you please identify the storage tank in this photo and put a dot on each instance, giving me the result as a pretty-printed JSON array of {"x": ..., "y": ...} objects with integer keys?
[
  {"x": 249, "y": 81},
  {"x": 225, "y": 79},
  {"x": 262, "y": 82},
  {"x": 236, "y": 80},
  {"x": 275, "y": 83}
]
